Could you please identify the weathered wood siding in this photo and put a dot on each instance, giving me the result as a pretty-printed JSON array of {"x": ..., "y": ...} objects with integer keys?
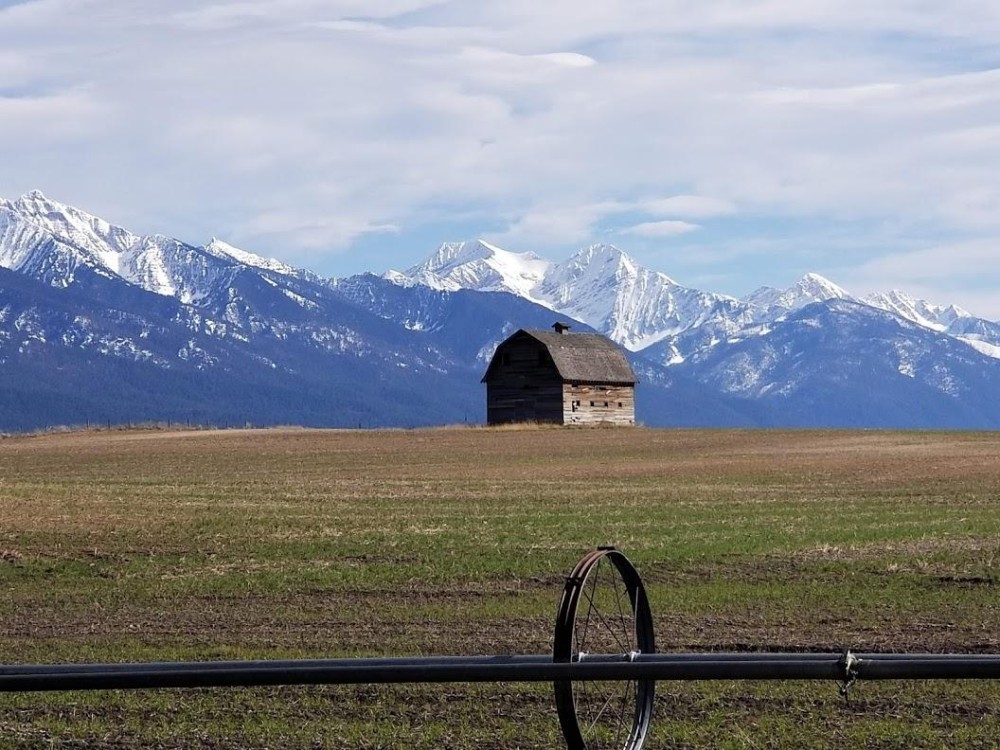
[
  {"x": 575, "y": 379},
  {"x": 598, "y": 404},
  {"x": 526, "y": 387}
]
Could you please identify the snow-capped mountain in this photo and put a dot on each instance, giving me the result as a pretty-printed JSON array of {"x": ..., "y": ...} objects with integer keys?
[
  {"x": 844, "y": 363},
  {"x": 647, "y": 311},
  {"x": 53, "y": 243},
  {"x": 769, "y": 304},
  {"x": 227, "y": 252},
  {"x": 982, "y": 335},
  {"x": 98, "y": 323},
  {"x": 752, "y": 317},
  {"x": 632, "y": 305},
  {"x": 95, "y": 240},
  {"x": 935, "y": 317},
  {"x": 600, "y": 285},
  {"x": 476, "y": 265},
  {"x": 91, "y": 305}
]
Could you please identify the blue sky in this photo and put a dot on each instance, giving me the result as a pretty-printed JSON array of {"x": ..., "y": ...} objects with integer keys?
[{"x": 728, "y": 143}]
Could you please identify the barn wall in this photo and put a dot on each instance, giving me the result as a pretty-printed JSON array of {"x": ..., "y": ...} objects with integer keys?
[
  {"x": 517, "y": 402},
  {"x": 525, "y": 387},
  {"x": 598, "y": 404}
]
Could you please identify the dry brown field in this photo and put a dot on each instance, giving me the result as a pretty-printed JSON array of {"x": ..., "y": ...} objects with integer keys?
[{"x": 159, "y": 545}]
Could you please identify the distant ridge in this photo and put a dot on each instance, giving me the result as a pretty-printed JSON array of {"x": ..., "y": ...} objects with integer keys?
[
  {"x": 99, "y": 324},
  {"x": 605, "y": 287}
]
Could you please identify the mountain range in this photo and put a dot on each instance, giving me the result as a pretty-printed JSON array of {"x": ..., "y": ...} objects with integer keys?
[{"x": 102, "y": 325}]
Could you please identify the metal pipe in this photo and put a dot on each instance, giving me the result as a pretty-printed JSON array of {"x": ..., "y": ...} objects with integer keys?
[
  {"x": 207, "y": 666},
  {"x": 359, "y": 672},
  {"x": 662, "y": 658},
  {"x": 929, "y": 669},
  {"x": 493, "y": 669}
]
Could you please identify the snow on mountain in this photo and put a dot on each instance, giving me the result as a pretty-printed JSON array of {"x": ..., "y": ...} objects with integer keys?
[
  {"x": 225, "y": 251},
  {"x": 935, "y": 317},
  {"x": 98, "y": 238},
  {"x": 983, "y": 347},
  {"x": 476, "y": 265},
  {"x": 78, "y": 290},
  {"x": 145, "y": 264},
  {"x": 19, "y": 239},
  {"x": 600, "y": 285},
  {"x": 50, "y": 241},
  {"x": 174, "y": 269},
  {"x": 769, "y": 303},
  {"x": 842, "y": 363},
  {"x": 605, "y": 288},
  {"x": 647, "y": 311},
  {"x": 29, "y": 249},
  {"x": 982, "y": 335}
]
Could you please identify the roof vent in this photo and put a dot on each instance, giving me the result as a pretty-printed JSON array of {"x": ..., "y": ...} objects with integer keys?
[{"x": 560, "y": 327}]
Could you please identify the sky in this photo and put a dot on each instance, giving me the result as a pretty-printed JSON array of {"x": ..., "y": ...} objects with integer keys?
[{"x": 728, "y": 143}]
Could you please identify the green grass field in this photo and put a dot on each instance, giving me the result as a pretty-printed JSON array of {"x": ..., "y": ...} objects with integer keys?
[{"x": 291, "y": 543}]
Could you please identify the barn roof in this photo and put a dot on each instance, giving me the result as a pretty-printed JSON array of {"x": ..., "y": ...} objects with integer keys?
[{"x": 580, "y": 357}]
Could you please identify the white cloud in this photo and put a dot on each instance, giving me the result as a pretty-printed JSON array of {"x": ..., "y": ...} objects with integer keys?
[
  {"x": 963, "y": 273},
  {"x": 308, "y": 123},
  {"x": 65, "y": 115},
  {"x": 976, "y": 259},
  {"x": 661, "y": 228},
  {"x": 495, "y": 57},
  {"x": 241, "y": 13},
  {"x": 689, "y": 206},
  {"x": 568, "y": 59},
  {"x": 555, "y": 224},
  {"x": 309, "y": 233}
]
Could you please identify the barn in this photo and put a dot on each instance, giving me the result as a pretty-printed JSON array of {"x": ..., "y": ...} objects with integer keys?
[{"x": 559, "y": 377}]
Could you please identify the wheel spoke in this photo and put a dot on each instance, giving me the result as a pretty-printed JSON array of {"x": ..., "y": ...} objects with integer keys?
[
  {"x": 626, "y": 628},
  {"x": 621, "y": 714},
  {"x": 600, "y": 615},
  {"x": 604, "y": 611},
  {"x": 601, "y": 712},
  {"x": 590, "y": 597}
]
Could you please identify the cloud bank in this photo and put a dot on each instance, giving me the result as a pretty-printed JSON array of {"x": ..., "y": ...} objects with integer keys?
[{"x": 780, "y": 135}]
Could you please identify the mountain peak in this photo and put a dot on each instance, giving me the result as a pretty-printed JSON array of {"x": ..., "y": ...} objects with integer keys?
[
  {"x": 225, "y": 251},
  {"x": 451, "y": 254},
  {"x": 771, "y": 304},
  {"x": 606, "y": 253},
  {"x": 479, "y": 265},
  {"x": 821, "y": 287},
  {"x": 96, "y": 242},
  {"x": 919, "y": 311},
  {"x": 606, "y": 249},
  {"x": 608, "y": 260},
  {"x": 35, "y": 201}
]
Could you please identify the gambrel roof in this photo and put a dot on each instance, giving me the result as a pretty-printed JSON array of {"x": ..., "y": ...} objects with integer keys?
[{"x": 578, "y": 357}]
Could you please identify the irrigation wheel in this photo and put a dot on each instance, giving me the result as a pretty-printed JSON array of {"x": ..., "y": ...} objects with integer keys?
[{"x": 604, "y": 610}]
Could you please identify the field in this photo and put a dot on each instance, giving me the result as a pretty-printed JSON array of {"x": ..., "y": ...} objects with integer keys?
[{"x": 294, "y": 543}]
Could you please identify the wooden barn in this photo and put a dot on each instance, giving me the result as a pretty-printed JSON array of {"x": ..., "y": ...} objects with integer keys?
[{"x": 559, "y": 377}]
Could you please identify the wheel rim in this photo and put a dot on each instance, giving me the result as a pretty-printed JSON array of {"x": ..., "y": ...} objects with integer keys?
[{"x": 604, "y": 610}]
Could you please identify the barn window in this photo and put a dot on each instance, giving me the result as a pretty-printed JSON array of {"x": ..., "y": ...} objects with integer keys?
[
  {"x": 505, "y": 358},
  {"x": 605, "y": 403},
  {"x": 591, "y": 403},
  {"x": 619, "y": 404}
]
